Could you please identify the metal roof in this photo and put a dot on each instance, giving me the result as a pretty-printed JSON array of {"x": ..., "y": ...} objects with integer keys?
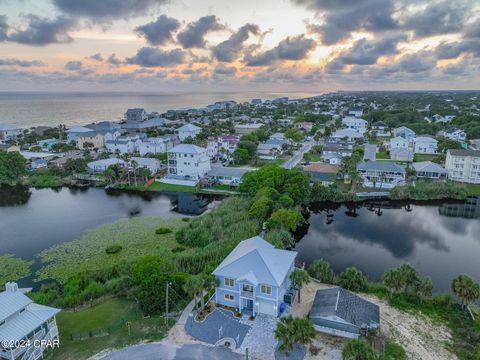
[
  {"x": 267, "y": 264},
  {"x": 464, "y": 152},
  {"x": 227, "y": 171},
  {"x": 428, "y": 166},
  {"x": 386, "y": 166},
  {"x": 189, "y": 127},
  {"x": 187, "y": 149},
  {"x": 343, "y": 310},
  {"x": 11, "y": 302}
]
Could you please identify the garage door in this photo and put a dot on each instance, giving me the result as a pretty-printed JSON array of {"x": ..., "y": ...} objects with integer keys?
[{"x": 266, "y": 308}]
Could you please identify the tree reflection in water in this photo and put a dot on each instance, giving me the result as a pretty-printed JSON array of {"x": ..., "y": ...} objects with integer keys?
[{"x": 14, "y": 195}]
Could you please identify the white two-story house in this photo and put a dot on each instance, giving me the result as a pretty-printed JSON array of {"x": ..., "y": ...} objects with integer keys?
[
  {"x": 404, "y": 132},
  {"x": 26, "y": 328},
  {"x": 255, "y": 277},
  {"x": 463, "y": 165},
  {"x": 398, "y": 142},
  {"x": 222, "y": 146},
  {"x": 424, "y": 145},
  {"x": 9, "y": 132},
  {"x": 355, "y": 123},
  {"x": 188, "y": 130}
]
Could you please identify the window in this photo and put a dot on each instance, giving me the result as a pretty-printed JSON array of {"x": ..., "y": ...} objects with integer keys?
[
  {"x": 229, "y": 281},
  {"x": 266, "y": 289},
  {"x": 228, "y": 297}
]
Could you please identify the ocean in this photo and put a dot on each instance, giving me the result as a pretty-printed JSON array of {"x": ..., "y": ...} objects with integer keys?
[{"x": 50, "y": 109}]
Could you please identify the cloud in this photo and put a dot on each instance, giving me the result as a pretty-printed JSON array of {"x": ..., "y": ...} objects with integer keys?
[
  {"x": 73, "y": 66},
  {"x": 472, "y": 30},
  {"x": 438, "y": 18},
  {"x": 159, "y": 32},
  {"x": 96, "y": 57},
  {"x": 225, "y": 70},
  {"x": 154, "y": 57},
  {"x": 230, "y": 49},
  {"x": 114, "y": 60},
  {"x": 194, "y": 35},
  {"x": 21, "y": 63},
  {"x": 418, "y": 62},
  {"x": 40, "y": 31},
  {"x": 365, "y": 52},
  {"x": 453, "y": 50},
  {"x": 3, "y": 27},
  {"x": 107, "y": 10},
  {"x": 291, "y": 48},
  {"x": 341, "y": 18}
]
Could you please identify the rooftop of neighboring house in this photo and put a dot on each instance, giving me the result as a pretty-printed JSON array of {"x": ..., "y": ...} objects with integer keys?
[
  {"x": 464, "y": 152},
  {"x": 6, "y": 127},
  {"x": 384, "y": 166},
  {"x": 106, "y": 162},
  {"x": 187, "y": 149},
  {"x": 321, "y": 167},
  {"x": 258, "y": 262},
  {"x": 188, "y": 127},
  {"x": 428, "y": 166},
  {"x": 228, "y": 171},
  {"x": 425, "y": 138}
]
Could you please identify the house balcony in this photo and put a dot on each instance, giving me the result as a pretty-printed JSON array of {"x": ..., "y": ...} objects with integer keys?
[{"x": 247, "y": 294}]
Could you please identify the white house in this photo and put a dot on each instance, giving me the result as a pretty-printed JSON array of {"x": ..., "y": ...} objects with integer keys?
[
  {"x": 122, "y": 146},
  {"x": 463, "y": 165},
  {"x": 103, "y": 164},
  {"x": 454, "y": 134},
  {"x": 9, "y": 132},
  {"x": 155, "y": 145},
  {"x": 188, "y": 130},
  {"x": 227, "y": 175},
  {"x": 188, "y": 161},
  {"x": 356, "y": 113},
  {"x": 355, "y": 123},
  {"x": 135, "y": 115},
  {"x": 349, "y": 134},
  {"x": 27, "y": 329},
  {"x": 222, "y": 146},
  {"x": 76, "y": 131},
  {"x": 398, "y": 142},
  {"x": 429, "y": 170},
  {"x": 404, "y": 132},
  {"x": 152, "y": 164},
  {"x": 424, "y": 145},
  {"x": 401, "y": 154},
  {"x": 269, "y": 151},
  {"x": 381, "y": 174}
]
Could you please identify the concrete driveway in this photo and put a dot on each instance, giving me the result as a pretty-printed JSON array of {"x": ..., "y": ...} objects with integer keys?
[{"x": 161, "y": 351}]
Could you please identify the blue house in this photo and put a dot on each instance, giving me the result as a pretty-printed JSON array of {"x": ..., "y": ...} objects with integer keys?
[{"x": 255, "y": 277}]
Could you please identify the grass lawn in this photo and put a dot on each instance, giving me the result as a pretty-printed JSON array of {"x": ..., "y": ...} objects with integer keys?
[
  {"x": 473, "y": 189},
  {"x": 425, "y": 157},
  {"x": 108, "y": 314},
  {"x": 382, "y": 155},
  {"x": 136, "y": 236},
  {"x": 223, "y": 187},
  {"x": 158, "y": 186}
]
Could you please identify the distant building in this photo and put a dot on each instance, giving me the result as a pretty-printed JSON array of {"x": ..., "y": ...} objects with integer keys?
[
  {"x": 76, "y": 131},
  {"x": 305, "y": 126},
  {"x": 429, "y": 170},
  {"x": 356, "y": 113},
  {"x": 381, "y": 174},
  {"x": 424, "y": 145},
  {"x": 325, "y": 174},
  {"x": 404, "y": 132},
  {"x": 463, "y": 165},
  {"x": 355, "y": 123},
  {"x": 401, "y": 154},
  {"x": 398, "y": 142},
  {"x": 149, "y": 124},
  {"x": 152, "y": 164},
  {"x": 454, "y": 134},
  {"x": 256, "y": 102},
  {"x": 104, "y": 164},
  {"x": 339, "y": 312},
  {"x": 247, "y": 128},
  {"x": 38, "y": 164},
  {"x": 24, "y": 325},
  {"x": 350, "y": 135},
  {"x": 9, "y": 132},
  {"x": 222, "y": 146},
  {"x": 332, "y": 159},
  {"x": 155, "y": 145},
  {"x": 188, "y": 130},
  {"x": 269, "y": 151},
  {"x": 135, "y": 115}
]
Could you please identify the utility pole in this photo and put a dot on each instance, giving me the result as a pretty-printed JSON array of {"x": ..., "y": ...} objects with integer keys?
[{"x": 166, "y": 305}]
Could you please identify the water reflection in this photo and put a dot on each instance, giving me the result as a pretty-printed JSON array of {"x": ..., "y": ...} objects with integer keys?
[
  {"x": 470, "y": 209},
  {"x": 14, "y": 195},
  {"x": 354, "y": 235}
]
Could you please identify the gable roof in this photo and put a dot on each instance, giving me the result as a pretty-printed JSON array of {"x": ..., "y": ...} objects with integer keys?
[
  {"x": 257, "y": 260},
  {"x": 189, "y": 127},
  {"x": 428, "y": 166},
  {"x": 387, "y": 166},
  {"x": 11, "y": 302},
  {"x": 464, "y": 152},
  {"x": 341, "y": 303},
  {"x": 187, "y": 149}
]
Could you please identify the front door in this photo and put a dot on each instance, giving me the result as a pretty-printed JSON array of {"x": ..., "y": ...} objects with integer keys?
[{"x": 248, "y": 304}]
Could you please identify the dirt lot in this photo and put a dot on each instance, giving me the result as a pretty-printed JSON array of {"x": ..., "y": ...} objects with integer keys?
[{"x": 422, "y": 339}]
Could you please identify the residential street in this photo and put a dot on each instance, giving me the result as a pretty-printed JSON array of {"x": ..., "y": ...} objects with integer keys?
[{"x": 298, "y": 155}]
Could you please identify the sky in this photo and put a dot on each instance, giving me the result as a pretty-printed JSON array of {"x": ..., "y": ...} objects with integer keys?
[{"x": 248, "y": 45}]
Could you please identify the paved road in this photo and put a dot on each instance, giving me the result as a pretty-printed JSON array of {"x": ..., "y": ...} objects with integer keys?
[
  {"x": 298, "y": 155},
  {"x": 173, "y": 352}
]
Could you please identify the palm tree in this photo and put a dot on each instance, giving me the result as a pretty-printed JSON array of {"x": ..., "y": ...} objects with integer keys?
[
  {"x": 285, "y": 333},
  {"x": 358, "y": 350},
  {"x": 194, "y": 287},
  {"x": 126, "y": 158},
  {"x": 466, "y": 289},
  {"x": 299, "y": 278},
  {"x": 321, "y": 270},
  {"x": 393, "y": 280},
  {"x": 134, "y": 167},
  {"x": 304, "y": 331},
  {"x": 425, "y": 288},
  {"x": 409, "y": 276}
]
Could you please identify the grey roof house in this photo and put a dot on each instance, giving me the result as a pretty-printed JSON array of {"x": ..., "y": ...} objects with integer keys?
[
  {"x": 339, "y": 312},
  {"x": 430, "y": 170},
  {"x": 381, "y": 174}
]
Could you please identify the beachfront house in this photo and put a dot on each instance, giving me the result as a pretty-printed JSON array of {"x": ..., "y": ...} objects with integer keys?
[
  {"x": 424, "y": 145},
  {"x": 188, "y": 130},
  {"x": 463, "y": 165},
  {"x": 26, "y": 328},
  {"x": 135, "y": 115},
  {"x": 255, "y": 277},
  {"x": 404, "y": 132},
  {"x": 381, "y": 174},
  {"x": 429, "y": 170},
  {"x": 9, "y": 132},
  {"x": 339, "y": 312}
]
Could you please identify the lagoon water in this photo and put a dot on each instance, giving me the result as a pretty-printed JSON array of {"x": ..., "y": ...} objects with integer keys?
[
  {"x": 440, "y": 240},
  {"x": 51, "y": 109}
]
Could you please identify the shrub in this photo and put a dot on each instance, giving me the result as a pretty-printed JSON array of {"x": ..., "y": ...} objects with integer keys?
[
  {"x": 353, "y": 279},
  {"x": 280, "y": 238},
  {"x": 287, "y": 219},
  {"x": 321, "y": 270},
  {"x": 178, "y": 249},
  {"x": 162, "y": 231},
  {"x": 185, "y": 219},
  {"x": 113, "y": 249}
]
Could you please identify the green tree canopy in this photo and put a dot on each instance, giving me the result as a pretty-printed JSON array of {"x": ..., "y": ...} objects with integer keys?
[
  {"x": 353, "y": 279},
  {"x": 321, "y": 270},
  {"x": 12, "y": 167}
]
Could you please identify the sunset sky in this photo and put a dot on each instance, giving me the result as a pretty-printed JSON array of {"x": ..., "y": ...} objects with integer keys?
[{"x": 229, "y": 45}]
